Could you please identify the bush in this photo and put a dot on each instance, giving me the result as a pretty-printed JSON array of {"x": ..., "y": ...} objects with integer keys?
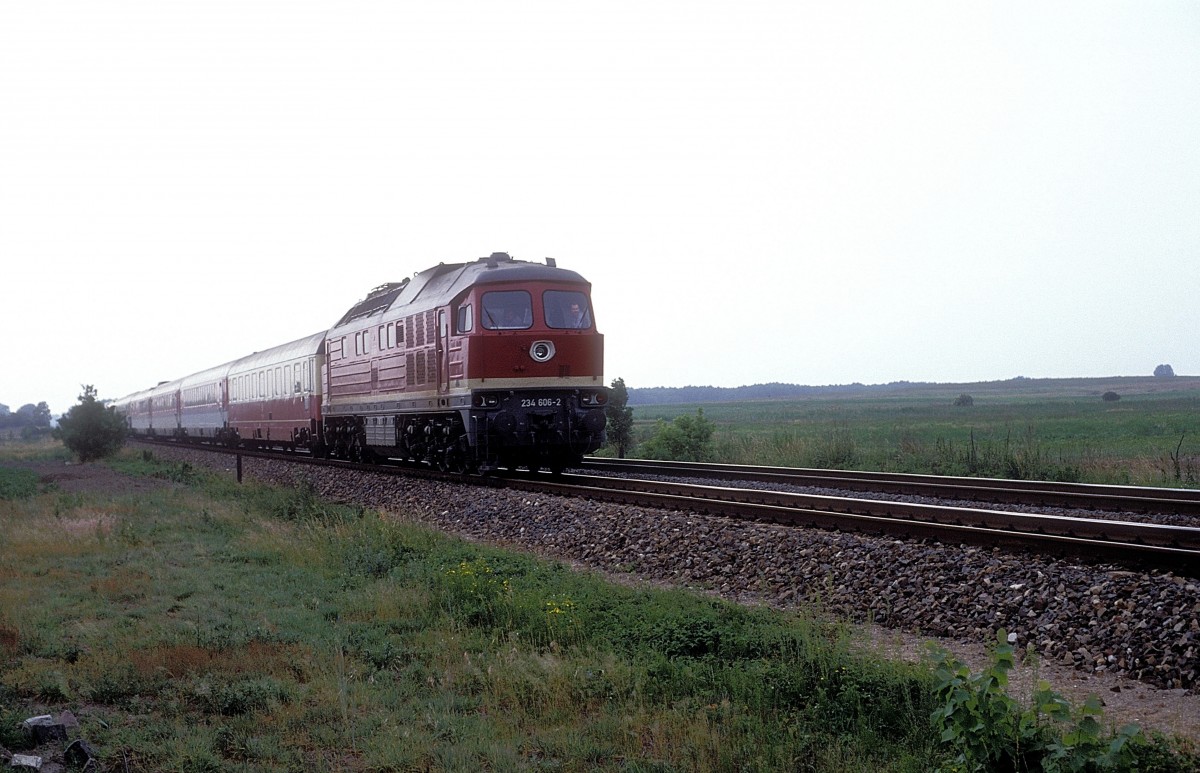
[
  {"x": 964, "y": 399},
  {"x": 1110, "y": 397},
  {"x": 90, "y": 430},
  {"x": 687, "y": 439}
]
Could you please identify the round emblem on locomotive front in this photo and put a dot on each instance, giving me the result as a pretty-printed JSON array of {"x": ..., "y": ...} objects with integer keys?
[{"x": 542, "y": 351}]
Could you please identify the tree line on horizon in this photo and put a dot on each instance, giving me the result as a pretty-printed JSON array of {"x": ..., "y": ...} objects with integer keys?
[
  {"x": 712, "y": 394},
  {"x": 27, "y": 420}
]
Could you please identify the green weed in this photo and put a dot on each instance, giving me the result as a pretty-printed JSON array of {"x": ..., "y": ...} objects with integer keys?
[
  {"x": 987, "y": 730},
  {"x": 17, "y": 484}
]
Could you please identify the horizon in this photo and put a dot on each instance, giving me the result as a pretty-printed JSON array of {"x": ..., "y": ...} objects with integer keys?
[{"x": 856, "y": 384}]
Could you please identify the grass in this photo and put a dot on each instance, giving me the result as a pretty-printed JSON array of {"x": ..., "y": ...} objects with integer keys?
[
  {"x": 217, "y": 627},
  {"x": 1033, "y": 429},
  {"x": 212, "y": 627}
]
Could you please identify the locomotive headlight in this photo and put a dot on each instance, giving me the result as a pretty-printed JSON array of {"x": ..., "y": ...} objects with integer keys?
[
  {"x": 542, "y": 351},
  {"x": 593, "y": 398}
]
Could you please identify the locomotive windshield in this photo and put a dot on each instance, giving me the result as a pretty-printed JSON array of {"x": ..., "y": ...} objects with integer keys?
[
  {"x": 566, "y": 309},
  {"x": 507, "y": 310}
]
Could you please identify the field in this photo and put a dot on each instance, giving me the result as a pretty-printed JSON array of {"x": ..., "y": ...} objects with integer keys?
[
  {"x": 193, "y": 624},
  {"x": 1023, "y": 428}
]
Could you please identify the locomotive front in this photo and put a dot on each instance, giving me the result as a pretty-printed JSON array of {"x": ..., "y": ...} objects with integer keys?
[
  {"x": 533, "y": 360},
  {"x": 469, "y": 366}
]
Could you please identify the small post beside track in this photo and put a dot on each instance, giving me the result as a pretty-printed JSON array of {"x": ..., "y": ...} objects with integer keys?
[{"x": 239, "y": 468}]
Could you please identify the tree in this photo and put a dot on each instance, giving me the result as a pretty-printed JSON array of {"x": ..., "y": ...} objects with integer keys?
[
  {"x": 32, "y": 420},
  {"x": 687, "y": 439},
  {"x": 90, "y": 430},
  {"x": 1164, "y": 371},
  {"x": 964, "y": 399},
  {"x": 620, "y": 418},
  {"x": 41, "y": 415}
]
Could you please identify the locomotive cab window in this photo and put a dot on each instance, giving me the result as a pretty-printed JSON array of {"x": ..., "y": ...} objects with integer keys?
[
  {"x": 463, "y": 321},
  {"x": 507, "y": 310},
  {"x": 567, "y": 310}
]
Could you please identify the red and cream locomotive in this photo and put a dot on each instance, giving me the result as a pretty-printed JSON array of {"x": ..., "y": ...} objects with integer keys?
[{"x": 465, "y": 366}]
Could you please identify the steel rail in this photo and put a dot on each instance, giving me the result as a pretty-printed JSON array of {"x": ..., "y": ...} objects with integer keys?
[{"x": 1080, "y": 496}]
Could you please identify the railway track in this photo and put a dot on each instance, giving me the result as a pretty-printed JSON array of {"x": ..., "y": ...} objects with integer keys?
[
  {"x": 1143, "y": 545},
  {"x": 1126, "y": 542},
  {"x": 1131, "y": 499}
]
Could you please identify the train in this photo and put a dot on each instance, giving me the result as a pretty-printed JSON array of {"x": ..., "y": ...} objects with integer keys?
[{"x": 468, "y": 367}]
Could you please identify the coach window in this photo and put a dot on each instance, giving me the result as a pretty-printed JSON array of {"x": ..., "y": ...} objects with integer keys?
[{"x": 507, "y": 310}]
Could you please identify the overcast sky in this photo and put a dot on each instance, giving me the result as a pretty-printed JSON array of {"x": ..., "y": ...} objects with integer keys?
[{"x": 804, "y": 192}]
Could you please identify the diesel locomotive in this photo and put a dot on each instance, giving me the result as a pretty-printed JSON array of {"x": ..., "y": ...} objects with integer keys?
[{"x": 465, "y": 366}]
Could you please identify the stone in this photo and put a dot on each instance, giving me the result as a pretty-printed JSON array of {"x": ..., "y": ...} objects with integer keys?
[
  {"x": 80, "y": 752},
  {"x": 44, "y": 729}
]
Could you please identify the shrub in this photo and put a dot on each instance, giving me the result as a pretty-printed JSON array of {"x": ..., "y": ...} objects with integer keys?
[
  {"x": 1110, "y": 397},
  {"x": 686, "y": 439},
  {"x": 964, "y": 400},
  {"x": 90, "y": 430}
]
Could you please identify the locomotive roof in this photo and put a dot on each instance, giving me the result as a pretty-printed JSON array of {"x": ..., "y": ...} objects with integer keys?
[{"x": 437, "y": 285}]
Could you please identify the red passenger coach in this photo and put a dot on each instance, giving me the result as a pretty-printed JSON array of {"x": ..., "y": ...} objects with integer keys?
[
  {"x": 469, "y": 366},
  {"x": 275, "y": 395}
]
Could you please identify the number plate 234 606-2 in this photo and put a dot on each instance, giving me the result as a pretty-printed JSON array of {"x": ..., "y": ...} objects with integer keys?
[{"x": 541, "y": 402}]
